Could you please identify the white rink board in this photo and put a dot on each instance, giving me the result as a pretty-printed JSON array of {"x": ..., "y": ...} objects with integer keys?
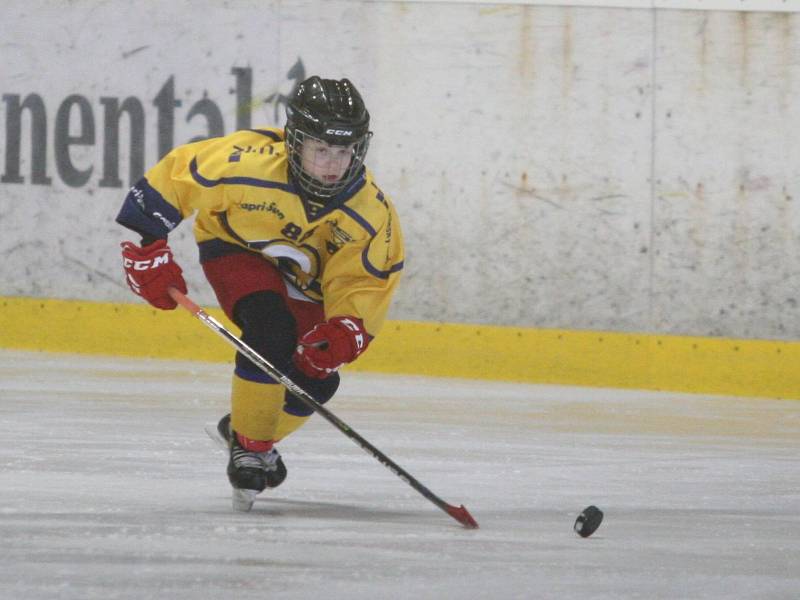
[
  {"x": 110, "y": 489},
  {"x": 733, "y": 5},
  {"x": 567, "y": 167}
]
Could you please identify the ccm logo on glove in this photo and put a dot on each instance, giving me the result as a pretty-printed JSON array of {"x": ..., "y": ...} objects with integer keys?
[
  {"x": 151, "y": 271},
  {"x": 143, "y": 265},
  {"x": 330, "y": 345}
]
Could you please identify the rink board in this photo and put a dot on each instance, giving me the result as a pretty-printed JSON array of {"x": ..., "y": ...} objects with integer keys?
[{"x": 586, "y": 358}]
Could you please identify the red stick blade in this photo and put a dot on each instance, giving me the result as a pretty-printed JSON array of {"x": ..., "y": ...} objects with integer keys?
[{"x": 461, "y": 514}]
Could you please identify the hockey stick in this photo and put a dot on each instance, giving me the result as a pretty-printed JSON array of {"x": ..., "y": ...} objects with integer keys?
[{"x": 460, "y": 514}]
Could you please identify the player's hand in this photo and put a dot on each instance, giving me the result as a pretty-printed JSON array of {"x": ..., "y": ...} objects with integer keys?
[
  {"x": 151, "y": 271},
  {"x": 330, "y": 345}
]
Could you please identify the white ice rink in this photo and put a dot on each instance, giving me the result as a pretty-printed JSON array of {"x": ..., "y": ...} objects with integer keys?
[{"x": 109, "y": 488}]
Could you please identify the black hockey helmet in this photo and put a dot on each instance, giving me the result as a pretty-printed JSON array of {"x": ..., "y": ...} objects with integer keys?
[{"x": 331, "y": 111}]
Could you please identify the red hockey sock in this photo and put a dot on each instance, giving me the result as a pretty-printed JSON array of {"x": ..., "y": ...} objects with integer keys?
[{"x": 254, "y": 445}]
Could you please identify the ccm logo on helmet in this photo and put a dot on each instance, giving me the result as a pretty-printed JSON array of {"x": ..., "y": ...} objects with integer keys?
[
  {"x": 339, "y": 131},
  {"x": 144, "y": 265}
]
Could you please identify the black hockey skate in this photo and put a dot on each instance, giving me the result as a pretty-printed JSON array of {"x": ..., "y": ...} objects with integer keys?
[{"x": 249, "y": 472}]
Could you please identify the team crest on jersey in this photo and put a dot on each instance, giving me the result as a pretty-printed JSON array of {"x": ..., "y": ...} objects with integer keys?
[{"x": 339, "y": 236}]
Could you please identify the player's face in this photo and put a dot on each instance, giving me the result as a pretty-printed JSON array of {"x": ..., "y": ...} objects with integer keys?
[{"x": 325, "y": 162}]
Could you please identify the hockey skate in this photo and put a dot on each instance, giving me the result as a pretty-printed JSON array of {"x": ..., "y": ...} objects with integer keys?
[{"x": 250, "y": 473}]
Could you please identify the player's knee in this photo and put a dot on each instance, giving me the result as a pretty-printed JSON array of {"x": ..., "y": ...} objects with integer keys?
[
  {"x": 321, "y": 390},
  {"x": 268, "y": 327}
]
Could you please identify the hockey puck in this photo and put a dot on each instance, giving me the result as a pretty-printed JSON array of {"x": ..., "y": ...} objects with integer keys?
[{"x": 588, "y": 521}]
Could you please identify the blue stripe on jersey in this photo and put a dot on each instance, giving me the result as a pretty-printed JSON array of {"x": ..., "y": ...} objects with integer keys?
[
  {"x": 377, "y": 272},
  {"x": 252, "y": 181},
  {"x": 269, "y": 134},
  {"x": 359, "y": 219},
  {"x": 145, "y": 211},
  {"x": 216, "y": 248},
  {"x": 338, "y": 201},
  {"x": 379, "y": 194}
]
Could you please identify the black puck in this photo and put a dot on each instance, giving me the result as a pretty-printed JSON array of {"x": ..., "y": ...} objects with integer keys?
[{"x": 588, "y": 521}]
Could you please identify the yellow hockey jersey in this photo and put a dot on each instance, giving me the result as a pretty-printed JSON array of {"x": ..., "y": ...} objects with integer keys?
[{"x": 347, "y": 253}]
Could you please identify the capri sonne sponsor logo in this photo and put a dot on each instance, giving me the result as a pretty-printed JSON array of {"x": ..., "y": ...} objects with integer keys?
[{"x": 262, "y": 207}]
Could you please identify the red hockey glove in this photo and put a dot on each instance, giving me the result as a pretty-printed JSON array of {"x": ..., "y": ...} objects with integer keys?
[
  {"x": 330, "y": 345},
  {"x": 150, "y": 271}
]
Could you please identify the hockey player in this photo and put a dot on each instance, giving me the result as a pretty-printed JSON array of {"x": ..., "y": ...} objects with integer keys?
[{"x": 301, "y": 247}]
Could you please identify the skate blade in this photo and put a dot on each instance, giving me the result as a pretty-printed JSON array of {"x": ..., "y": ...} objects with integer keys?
[
  {"x": 243, "y": 499},
  {"x": 213, "y": 433}
]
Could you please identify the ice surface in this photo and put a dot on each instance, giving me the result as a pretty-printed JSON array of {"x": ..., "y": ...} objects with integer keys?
[{"x": 109, "y": 488}]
